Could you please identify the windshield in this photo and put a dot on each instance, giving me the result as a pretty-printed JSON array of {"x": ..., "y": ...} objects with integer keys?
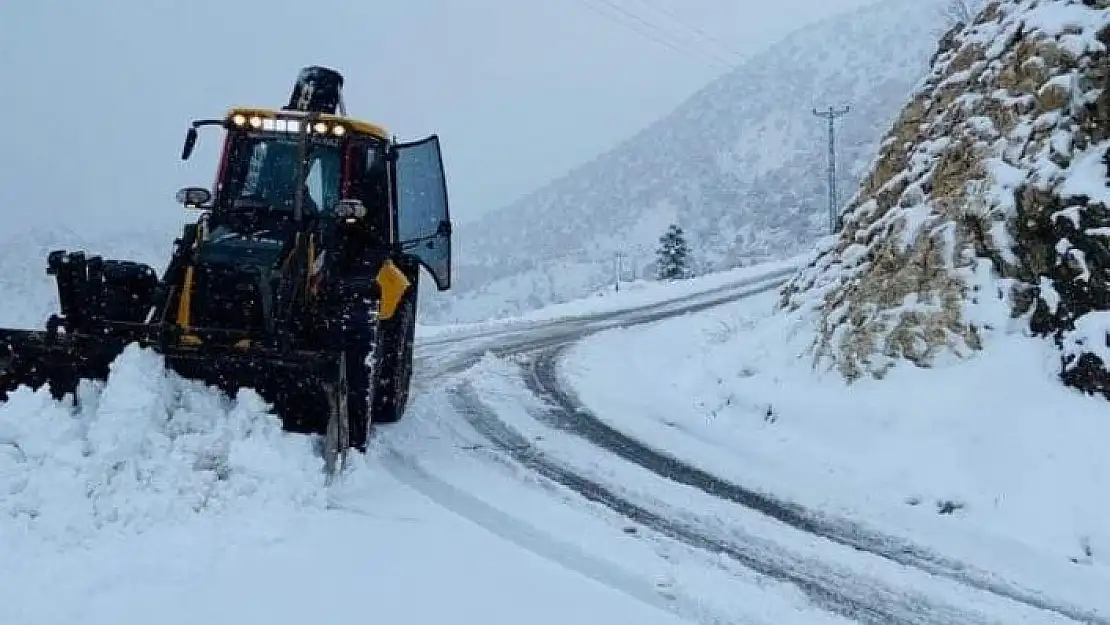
[{"x": 262, "y": 169}]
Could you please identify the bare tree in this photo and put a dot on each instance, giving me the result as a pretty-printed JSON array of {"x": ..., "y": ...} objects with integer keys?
[
  {"x": 961, "y": 11},
  {"x": 957, "y": 14}
]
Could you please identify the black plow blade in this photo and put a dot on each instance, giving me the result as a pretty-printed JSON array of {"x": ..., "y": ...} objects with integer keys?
[{"x": 36, "y": 358}]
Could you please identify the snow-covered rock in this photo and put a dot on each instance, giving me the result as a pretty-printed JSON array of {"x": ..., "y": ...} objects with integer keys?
[{"x": 986, "y": 208}]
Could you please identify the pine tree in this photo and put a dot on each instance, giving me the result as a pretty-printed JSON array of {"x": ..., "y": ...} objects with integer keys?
[{"x": 673, "y": 256}]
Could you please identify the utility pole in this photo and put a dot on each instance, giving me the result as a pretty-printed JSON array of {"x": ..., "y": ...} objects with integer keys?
[
  {"x": 831, "y": 115},
  {"x": 617, "y": 282}
]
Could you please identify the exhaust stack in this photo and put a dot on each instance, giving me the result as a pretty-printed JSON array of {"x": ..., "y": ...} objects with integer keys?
[{"x": 318, "y": 90}]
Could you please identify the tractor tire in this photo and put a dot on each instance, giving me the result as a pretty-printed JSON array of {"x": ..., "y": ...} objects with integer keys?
[{"x": 395, "y": 367}]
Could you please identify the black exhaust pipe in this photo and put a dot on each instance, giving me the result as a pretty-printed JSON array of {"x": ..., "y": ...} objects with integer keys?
[{"x": 317, "y": 90}]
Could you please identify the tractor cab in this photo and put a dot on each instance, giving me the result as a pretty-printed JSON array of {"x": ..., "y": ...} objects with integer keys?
[{"x": 287, "y": 169}]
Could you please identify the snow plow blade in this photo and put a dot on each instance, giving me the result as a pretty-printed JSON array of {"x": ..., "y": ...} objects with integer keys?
[{"x": 306, "y": 388}]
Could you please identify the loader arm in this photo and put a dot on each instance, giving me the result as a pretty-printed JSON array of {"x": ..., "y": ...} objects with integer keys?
[{"x": 166, "y": 305}]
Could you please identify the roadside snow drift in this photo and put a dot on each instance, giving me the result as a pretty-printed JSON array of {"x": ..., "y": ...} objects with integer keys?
[
  {"x": 989, "y": 461},
  {"x": 145, "y": 447}
]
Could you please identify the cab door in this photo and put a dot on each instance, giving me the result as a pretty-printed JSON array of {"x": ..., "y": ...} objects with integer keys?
[{"x": 423, "y": 219}]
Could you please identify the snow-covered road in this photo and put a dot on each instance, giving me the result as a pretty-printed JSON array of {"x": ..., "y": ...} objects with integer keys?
[
  {"x": 492, "y": 502},
  {"x": 519, "y": 414},
  {"x": 570, "y": 414}
]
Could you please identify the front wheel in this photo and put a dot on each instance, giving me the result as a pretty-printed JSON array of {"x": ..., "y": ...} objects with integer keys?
[{"x": 395, "y": 364}]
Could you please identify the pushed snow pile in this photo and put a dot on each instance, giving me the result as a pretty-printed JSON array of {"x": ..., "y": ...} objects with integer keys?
[
  {"x": 987, "y": 206},
  {"x": 145, "y": 447}
]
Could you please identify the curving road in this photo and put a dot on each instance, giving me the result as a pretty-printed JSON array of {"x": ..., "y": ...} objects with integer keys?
[
  {"x": 573, "y": 416},
  {"x": 469, "y": 423}
]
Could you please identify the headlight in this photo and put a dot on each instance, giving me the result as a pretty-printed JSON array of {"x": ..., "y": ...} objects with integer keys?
[
  {"x": 350, "y": 209},
  {"x": 270, "y": 124}
]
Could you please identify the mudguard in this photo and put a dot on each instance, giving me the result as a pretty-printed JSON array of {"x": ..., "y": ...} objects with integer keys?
[{"x": 392, "y": 283}]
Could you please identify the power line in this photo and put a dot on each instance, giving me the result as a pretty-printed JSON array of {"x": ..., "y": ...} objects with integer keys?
[
  {"x": 694, "y": 28},
  {"x": 638, "y": 18},
  {"x": 677, "y": 47}
]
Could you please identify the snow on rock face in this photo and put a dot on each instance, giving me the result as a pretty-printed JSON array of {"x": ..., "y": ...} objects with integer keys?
[
  {"x": 986, "y": 207},
  {"x": 145, "y": 447}
]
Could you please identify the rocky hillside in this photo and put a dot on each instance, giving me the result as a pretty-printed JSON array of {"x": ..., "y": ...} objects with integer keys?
[
  {"x": 740, "y": 166},
  {"x": 987, "y": 207}
]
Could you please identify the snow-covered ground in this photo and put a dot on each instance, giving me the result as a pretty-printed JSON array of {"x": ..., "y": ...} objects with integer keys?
[
  {"x": 158, "y": 500},
  {"x": 155, "y": 495},
  {"x": 445, "y": 457},
  {"x": 158, "y": 494},
  {"x": 990, "y": 460}
]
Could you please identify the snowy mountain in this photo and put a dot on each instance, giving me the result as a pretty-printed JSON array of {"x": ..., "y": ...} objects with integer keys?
[
  {"x": 741, "y": 166},
  {"x": 986, "y": 212}
]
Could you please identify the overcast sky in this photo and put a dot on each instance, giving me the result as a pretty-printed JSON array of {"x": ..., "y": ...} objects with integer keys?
[{"x": 97, "y": 95}]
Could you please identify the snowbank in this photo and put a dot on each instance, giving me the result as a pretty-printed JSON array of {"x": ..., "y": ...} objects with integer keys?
[
  {"x": 144, "y": 448},
  {"x": 160, "y": 496},
  {"x": 164, "y": 499},
  {"x": 988, "y": 460}
]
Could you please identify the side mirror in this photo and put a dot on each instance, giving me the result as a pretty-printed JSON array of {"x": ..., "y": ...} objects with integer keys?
[
  {"x": 190, "y": 143},
  {"x": 444, "y": 228},
  {"x": 194, "y": 197}
]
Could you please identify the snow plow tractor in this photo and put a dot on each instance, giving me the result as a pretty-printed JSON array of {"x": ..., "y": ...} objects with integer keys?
[{"x": 298, "y": 279}]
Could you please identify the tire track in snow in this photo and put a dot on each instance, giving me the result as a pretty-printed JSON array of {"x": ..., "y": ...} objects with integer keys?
[
  {"x": 865, "y": 600},
  {"x": 569, "y": 413},
  {"x": 528, "y": 537}
]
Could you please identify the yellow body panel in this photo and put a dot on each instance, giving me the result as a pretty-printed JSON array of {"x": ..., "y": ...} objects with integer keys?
[
  {"x": 184, "y": 305},
  {"x": 393, "y": 283},
  {"x": 355, "y": 125},
  {"x": 184, "y": 302}
]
